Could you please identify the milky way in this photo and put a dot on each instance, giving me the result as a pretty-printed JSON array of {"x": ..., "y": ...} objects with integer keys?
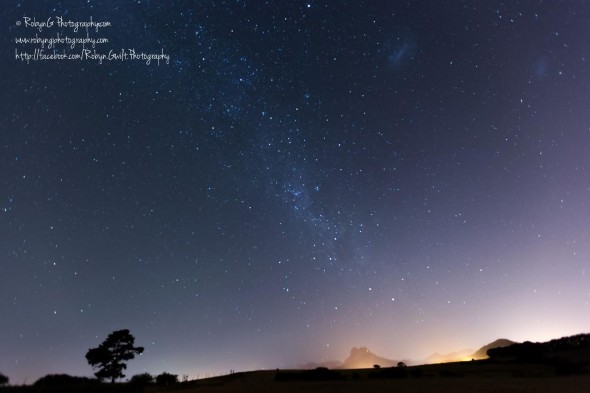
[{"x": 299, "y": 179}]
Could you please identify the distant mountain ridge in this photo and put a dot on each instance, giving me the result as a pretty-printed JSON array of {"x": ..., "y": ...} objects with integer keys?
[
  {"x": 499, "y": 350},
  {"x": 467, "y": 354},
  {"x": 482, "y": 353},
  {"x": 363, "y": 358},
  {"x": 573, "y": 349},
  {"x": 358, "y": 358}
]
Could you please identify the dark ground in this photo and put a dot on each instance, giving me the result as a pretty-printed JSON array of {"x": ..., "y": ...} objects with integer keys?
[{"x": 472, "y": 377}]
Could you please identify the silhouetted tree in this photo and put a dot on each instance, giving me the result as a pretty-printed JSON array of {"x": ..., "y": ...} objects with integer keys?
[
  {"x": 166, "y": 379},
  {"x": 401, "y": 364},
  {"x": 3, "y": 379},
  {"x": 110, "y": 356},
  {"x": 526, "y": 352},
  {"x": 64, "y": 382},
  {"x": 142, "y": 380}
]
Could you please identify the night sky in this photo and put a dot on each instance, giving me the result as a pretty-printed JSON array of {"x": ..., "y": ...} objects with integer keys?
[{"x": 300, "y": 177}]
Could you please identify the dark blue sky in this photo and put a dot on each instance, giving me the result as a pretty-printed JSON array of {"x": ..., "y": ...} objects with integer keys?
[{"x": 300, "y": 178}]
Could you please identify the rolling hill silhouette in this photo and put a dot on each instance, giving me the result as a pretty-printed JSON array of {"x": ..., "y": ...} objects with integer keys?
[
  {"x": 467, "y": 354},
  {"x": 576, "y": 347},
  {"x": 482, "y": 353},
  {"x": 572, "y": 351}
]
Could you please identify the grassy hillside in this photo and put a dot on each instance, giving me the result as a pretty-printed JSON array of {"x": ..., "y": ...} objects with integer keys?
[{"x": 475, "y": 377}]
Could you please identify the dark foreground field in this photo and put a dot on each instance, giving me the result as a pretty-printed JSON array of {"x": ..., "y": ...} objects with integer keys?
[
  {"x": 468, "y": 377},
  {"x": 472, "y": 377}
]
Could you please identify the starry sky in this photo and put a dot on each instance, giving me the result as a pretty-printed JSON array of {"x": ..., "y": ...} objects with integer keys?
[{"x": 300, "y": 177}]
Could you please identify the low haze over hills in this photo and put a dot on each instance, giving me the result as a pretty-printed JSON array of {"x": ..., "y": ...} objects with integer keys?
[
  {"x": 363, "y": 357},
  {"x": 457, "y": 356},
  {"x": 467, "y": 354},
  {"x": 358, "y": 358}
]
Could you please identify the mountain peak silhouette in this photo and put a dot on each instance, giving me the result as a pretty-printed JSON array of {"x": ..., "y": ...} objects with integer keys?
[
  {"x": 482, "y": 353},
  {"x": 363, "y": 358}
]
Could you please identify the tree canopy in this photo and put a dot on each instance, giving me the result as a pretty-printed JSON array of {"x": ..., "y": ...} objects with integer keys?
[
  {"x": 166, "y": 379},
  {"x": 109, "y": 357}
]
